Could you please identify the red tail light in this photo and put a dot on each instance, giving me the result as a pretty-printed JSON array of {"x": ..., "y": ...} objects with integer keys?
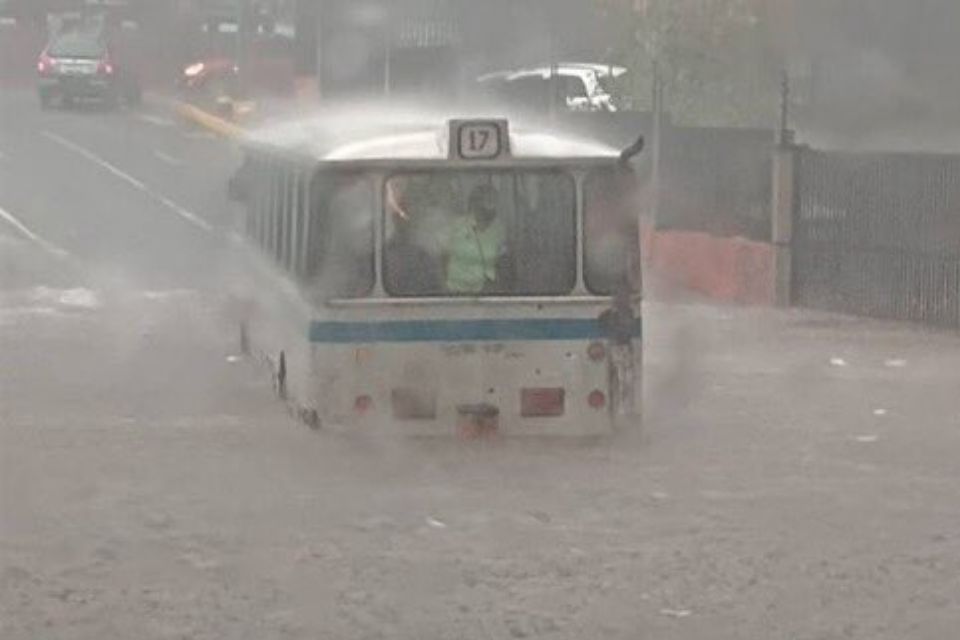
[
  {"x": 597, "y": 399},
  {"x": 541, "y": 403},
  {"x": 105, "y": 67},
  {"x": 596, "y": 351}
]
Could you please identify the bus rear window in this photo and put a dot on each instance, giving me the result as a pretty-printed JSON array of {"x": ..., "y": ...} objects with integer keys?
[
  {"x": 611, "y": 232},
  {"x": 480, "y": 233}
]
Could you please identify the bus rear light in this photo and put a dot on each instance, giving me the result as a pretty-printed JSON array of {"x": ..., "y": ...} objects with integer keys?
[
  {"x": 597, "y": 399},
  {"x": 596, "y": 351},
  {"x": 413, "y": 404},
  {"x": 363, "y": 404},
  {"x": 541, "y": 403}
]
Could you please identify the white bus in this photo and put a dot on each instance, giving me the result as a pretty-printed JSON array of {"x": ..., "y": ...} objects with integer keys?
[{"x": 461, "y": 278}]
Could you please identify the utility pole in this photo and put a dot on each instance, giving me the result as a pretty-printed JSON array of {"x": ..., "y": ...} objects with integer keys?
[
  {"x": 785, "y": 136},
  {"x": 657, "y": 146},
  {"x": 387, "y": 59}
]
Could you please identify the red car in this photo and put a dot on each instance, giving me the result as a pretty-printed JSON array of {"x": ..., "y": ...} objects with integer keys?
[{"x": 214, "y": 74}]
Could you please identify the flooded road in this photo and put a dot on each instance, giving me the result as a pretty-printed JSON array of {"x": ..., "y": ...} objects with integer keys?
[{"x": 796, "y": 478}]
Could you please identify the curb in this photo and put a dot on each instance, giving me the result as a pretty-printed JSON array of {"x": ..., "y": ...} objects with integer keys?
[{"x": 207, "y": 120}]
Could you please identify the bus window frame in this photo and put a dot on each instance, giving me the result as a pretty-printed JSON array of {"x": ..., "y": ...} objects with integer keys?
[
  {"x": 635, "y": 256},
  {"x": 279, "y": 222},
  {"x": 290, "y": 228},
  {"x": 283, "y": 225},
  {"x": 572, "y": 176},
  {"x": 289, "y": 236},
  {"x": 269, "y": 234},
  {"x": 269, "y": 163},
  {"x": 302, "y": 231},
  {"x": 317, "y": 203}
]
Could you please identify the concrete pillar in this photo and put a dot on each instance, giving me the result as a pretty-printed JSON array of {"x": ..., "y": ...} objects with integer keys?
[{"x": 781, "y": 218}]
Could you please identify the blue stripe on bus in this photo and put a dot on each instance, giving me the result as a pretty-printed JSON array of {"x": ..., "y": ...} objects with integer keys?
[{"x": 459, "y": 330}]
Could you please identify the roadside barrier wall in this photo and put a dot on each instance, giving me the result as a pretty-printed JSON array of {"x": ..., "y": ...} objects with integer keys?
[{"x": 734, "y": 269}]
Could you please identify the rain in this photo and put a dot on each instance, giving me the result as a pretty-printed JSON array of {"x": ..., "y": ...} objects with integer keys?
[{"x": 481, "y": 320}]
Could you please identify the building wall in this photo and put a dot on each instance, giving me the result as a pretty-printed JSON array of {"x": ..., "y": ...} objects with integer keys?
[{"x": 439, "y": 46}]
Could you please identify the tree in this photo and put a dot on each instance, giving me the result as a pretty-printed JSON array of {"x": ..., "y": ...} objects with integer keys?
[{"x": 715, "y": 57}]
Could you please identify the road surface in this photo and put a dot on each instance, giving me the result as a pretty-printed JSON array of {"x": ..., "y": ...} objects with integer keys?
[{"x": 797, "y": 479}]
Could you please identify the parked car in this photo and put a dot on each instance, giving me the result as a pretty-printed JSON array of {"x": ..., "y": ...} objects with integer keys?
[
  {"x": 82, "y": 64},
  {"x": 570, "y": 86},
  {"x": 211, "y": 78}
]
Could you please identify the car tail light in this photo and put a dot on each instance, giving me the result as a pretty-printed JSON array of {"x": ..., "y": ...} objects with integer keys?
[
  {"x": 541, "y": 403},
  {"x": 105, "y": 67},
  {"x": 44, "y": 64},
  {"x": 597, "y": 399},
  {"x": 596, "y": 351},
  {"x": 413, "y": 404},
  {"x": 194, "y": 70},
  {"x": 363, "y": 404}
]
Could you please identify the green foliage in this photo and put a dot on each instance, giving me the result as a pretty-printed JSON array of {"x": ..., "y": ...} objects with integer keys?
[{"x": 714, "y": 57}]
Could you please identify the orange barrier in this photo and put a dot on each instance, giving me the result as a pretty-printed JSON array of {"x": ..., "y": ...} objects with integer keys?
[{"x": 730, "y": 269}]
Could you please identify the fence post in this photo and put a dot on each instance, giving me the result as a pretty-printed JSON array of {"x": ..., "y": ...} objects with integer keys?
[
  {"x": 657, "y": 145},
  {"x": 784, "y": 175}
]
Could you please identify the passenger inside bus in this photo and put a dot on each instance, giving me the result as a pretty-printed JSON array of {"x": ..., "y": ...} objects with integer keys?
[
  {"x": 476, "y": 246},
  {"x": 479, "y": 233}
]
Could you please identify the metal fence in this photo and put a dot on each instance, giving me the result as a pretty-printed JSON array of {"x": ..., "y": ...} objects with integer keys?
[
  {"x": 878, "y": 234},
  {"x": 716, "y": 180}
]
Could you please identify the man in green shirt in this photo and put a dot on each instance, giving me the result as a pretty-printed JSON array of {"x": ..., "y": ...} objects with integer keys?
[{"x": 477, "y": 242}]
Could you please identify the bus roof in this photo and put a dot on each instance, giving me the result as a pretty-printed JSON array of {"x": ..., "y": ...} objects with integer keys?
[{"x": 339, "y": 138}]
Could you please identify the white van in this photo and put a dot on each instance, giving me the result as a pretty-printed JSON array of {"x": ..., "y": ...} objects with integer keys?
[{"x": 573, "y": 86}]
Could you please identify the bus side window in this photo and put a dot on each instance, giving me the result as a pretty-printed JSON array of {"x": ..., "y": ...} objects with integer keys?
[
  {"x": 298, "y": 263},
  {"x": 276, "y": 228},
  {"x": 293, "y": 234},
  {"x": 289, "y": 213},
  {"x": 296, "y": 224},
  {"x": 263, "y": 203},
  {"x": 273, "y": 202},
  {"x": 341, "y": 235}
]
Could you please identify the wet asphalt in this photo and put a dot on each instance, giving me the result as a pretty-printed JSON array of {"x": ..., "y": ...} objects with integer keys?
[{"x": 796, "y": 477}]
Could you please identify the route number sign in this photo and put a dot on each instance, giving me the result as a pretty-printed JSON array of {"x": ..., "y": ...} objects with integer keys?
[{"x": 479, "y": 141}]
